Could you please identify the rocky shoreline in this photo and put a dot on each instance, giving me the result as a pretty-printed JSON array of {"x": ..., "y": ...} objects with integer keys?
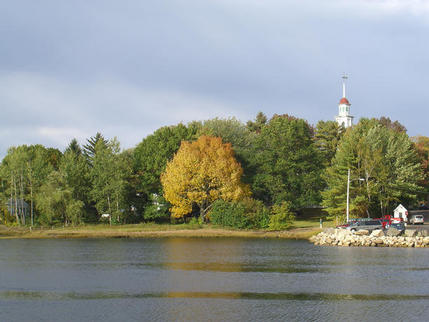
[{"x": 376, "y": 238}]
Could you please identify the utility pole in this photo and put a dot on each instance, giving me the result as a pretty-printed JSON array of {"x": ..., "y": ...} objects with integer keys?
[{"x": 348, "y": 194}]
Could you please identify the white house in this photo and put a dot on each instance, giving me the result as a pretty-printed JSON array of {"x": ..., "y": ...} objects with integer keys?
[{"x": 401, "y": 212}]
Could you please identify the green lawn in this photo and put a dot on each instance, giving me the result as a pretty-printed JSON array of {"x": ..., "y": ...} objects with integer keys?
[{"x": 311, "y": 223}]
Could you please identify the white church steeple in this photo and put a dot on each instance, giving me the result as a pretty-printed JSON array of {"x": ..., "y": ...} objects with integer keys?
[
  {"x": 344, "y": 85},
  {"x": 344, "y": 118}
]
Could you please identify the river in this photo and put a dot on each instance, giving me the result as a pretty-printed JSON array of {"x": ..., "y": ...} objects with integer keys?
[{"x": 209, "y": 279}]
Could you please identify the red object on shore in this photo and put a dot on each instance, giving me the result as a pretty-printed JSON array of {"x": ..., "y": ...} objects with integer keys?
[{"x": 389, "y": 219}]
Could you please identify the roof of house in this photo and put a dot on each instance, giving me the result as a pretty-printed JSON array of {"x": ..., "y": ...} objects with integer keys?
[
  {"x": 400, "y": 207},
  {"x": 344, "y": 101}
]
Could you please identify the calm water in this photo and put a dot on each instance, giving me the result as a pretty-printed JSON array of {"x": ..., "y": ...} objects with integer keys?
[{"x": 215, "y": 279}]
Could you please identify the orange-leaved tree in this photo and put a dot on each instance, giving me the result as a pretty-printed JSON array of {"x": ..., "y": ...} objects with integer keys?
[{"x": 200, "y": 173}]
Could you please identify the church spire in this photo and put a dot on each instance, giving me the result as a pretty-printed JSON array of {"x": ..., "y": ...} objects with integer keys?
[
  {"x": 344, "y": 118},
  {"x": 344, "y": 84}
]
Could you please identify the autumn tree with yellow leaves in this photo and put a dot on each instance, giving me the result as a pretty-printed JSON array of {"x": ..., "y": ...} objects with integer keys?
[{"x": 200, "y": 173}]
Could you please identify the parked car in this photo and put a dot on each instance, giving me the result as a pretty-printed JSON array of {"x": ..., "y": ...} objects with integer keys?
[
  {"x": 417, "y": 219},
  {"x": 369, "y": 225},
  {"x": 344, "y": 226},
  {"x": 385, "y": 222}
]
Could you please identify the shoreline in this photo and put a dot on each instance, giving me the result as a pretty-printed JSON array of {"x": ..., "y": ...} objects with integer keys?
[{"x": 146, "y": 232}]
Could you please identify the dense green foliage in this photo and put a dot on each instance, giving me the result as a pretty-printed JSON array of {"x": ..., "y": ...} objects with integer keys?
[
  {"x": 326, "y": 138},
  {"x": 109, "y": 173},
  {"x": 384, "y": 167},
  {"x": 282, "y": 216},
  {"x": 260, "y": 121},
  {"x": 422, "y": 146},
  {"x": 244, "y": 214},
  {"x": 23, "y": 171},
  {"x": 287, "y": 164},
  {"x": 56, "y": 203},
  {"x": 89, "y": 147},
  {"x": 252, "y": 214}
]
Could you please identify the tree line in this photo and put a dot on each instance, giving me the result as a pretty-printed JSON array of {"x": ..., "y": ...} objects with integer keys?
[{"x": 251, "y": 175}]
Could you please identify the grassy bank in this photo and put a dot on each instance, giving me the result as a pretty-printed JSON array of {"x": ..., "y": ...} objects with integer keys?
[{"x": 302, "y": 229}]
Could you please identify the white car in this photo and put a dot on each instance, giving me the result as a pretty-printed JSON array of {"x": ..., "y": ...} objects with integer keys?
[{"x": 417, "y": 219}]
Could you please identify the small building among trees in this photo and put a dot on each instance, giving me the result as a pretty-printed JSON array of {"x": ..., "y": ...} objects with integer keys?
[{"x": 401, "y": 212}]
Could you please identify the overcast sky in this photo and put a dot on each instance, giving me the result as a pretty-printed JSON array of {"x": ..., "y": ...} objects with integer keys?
[{"x": 125, "y": 68}]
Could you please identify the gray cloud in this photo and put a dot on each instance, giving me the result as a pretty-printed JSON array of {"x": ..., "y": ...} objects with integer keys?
[
  {"x": 43, "y": 109},
  {"x": 69, "y": 69}
]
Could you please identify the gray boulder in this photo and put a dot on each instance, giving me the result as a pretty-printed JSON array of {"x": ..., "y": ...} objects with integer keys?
[
  {"x": 342, "y": 233},
  {"x": 362, "y": 232},
  {"x": 329, "y": 230},
  {"x": 392, "y": 232},
  {"x": 378, "y": 241},
  {"x": 377, "y": 233}
]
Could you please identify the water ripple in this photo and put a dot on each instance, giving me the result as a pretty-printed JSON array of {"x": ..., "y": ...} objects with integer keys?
[{"x": 37, "y": 295}]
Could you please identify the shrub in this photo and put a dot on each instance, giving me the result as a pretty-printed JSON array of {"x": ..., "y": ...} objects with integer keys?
[
  {"x": 245, "y": 214},
  {"x": 281, "y": 216},
  {"x": 229, "y": 214},
  {"x": 257, "y": 214},
  {"x": 195, "y": 222}
]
